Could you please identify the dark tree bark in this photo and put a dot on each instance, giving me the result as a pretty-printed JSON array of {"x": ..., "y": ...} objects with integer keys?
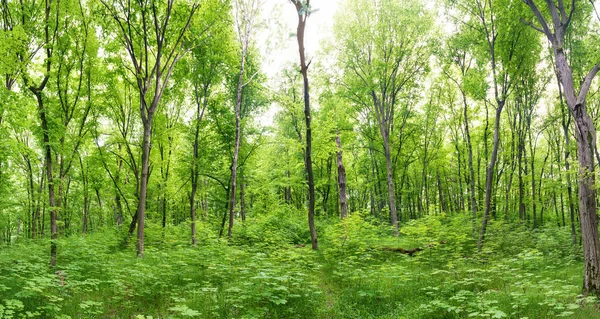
[
  {"x": 49, "y": 175},
  {"x": 303, "y": 9},
  {"x": 37, "y": 90}
]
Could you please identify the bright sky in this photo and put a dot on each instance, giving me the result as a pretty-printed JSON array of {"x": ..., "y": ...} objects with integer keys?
[
  {"x": 278, "y": 41},
  {"x": 280, "y": 31}
]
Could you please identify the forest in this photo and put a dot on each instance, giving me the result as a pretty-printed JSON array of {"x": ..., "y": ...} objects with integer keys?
[{"x": 299, "y": 159}]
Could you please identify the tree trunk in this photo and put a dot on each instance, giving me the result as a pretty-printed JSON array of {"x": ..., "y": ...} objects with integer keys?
[
  {"x": 565, "y": 125},
  {"x": 302, "y": 16},
  {"x": 441, "y": 194},
  {"x": 341, "y": 178},
  {"x": 390, "y": 182},
  {"x": 242, "y": 199},
  {"x": 490, "y": 176},
  {"x": 193, "y": 212},
  {"x": 86, "y": 195},
  {"x": 236, "y": 150},
  {"x": 587, "y": 200},
  {"x": 533, "y": 197},
  {"x": 49, "y": 177},
  {"x": 141, "y": 210},
  {"x": 470, "y": 154}
]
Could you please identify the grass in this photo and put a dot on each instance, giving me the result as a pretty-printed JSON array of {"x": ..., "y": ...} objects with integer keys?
[{"x": 520, "y": 274}]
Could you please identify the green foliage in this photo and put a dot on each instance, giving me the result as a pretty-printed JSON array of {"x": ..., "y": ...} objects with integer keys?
[
  {"x": 279, "y": 228},
  {"x": 258, "y": 276},
  {"x": 351, "y": 236}
]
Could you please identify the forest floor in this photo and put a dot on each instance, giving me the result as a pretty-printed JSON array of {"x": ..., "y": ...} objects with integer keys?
[{"x": 520, "y": 274}]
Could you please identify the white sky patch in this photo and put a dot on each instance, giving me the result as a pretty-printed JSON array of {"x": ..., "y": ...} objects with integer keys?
[{"x": 278, "y": 43}]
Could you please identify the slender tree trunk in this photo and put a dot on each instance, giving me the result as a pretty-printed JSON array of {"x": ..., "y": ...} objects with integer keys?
[
  {"x": 565, "y": 124},
  {"x": 141, "y": 210},
  {"x": 441, "y": 194},
  {"x": 84, "y": 179},
  {"x": 302, "y": 16},
  {"x": 490, "y": 176},
  {"x": 194, "y": 169},
  {"x": 193, "y": 212},
  {"x": 470, "y": 155},
  {"x": 341, "y": 178},
  {"x": 390, "y": 182},
  {"x": 49, "y": 177},
  {"x": 242, "y": 198},
  {"x": 236, "y": 149},
  {"x": 532, "y": 163}
]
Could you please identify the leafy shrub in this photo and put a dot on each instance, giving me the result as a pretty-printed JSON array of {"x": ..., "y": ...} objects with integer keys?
[{"x": 281, "y": 227}]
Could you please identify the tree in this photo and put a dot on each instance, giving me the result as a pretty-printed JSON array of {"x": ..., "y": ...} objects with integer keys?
[
  {"x": 383, "y": 51},
  {"x": 304, "y": 10},
  {"x": 508, "y": 48},
  {"x": 246, "y": 22},
  {"x": 155, "y": 43},
  {"x": 48, "y": 40},
  {"x": 555, "y": 25},
  {"x": 469, "y": 82},
  {"x": 209, "y": 65}
]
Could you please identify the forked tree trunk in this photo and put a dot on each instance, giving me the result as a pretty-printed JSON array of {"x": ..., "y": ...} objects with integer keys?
[{"x": 585, "y": 134}]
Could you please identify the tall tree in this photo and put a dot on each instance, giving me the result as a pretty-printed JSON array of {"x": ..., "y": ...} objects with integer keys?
[
  {"x": 383, "y": 54},
  {"x": 246, "y": 21},
  {"x": 47, "y": 40},
  {"x": 508, "y": 48},
  {"x": 554, "y": 23},
  {"x": 153, "y": 37},
  {"x": 304, "y": 10},
  {"x": 209, "y": 64}
]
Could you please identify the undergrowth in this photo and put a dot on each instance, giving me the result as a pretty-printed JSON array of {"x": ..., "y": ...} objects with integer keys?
[{"x": 266, "y": 271}]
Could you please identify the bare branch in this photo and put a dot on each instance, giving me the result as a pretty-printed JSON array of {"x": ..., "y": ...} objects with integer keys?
[
  {"x": 587, "y": 82},
  {"x": 527, "y": 23},
  {"x": 541, "y": 19}
]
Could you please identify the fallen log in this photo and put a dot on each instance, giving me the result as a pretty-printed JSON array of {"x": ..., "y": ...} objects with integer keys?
[{"x": 410, "y": 252}]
